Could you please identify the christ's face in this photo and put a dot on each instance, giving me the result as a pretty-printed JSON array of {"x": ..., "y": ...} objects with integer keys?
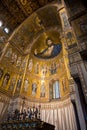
[{"x": 49, "y": 42}]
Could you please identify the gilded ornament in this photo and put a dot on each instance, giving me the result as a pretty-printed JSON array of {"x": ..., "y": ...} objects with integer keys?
[{"x": 23, "y": 2}]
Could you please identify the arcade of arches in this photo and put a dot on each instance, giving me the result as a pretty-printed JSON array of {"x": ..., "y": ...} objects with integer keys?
[{"x": 43, "y": 63}]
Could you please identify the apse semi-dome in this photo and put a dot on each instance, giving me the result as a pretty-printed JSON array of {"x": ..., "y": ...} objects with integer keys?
[{"x": 35, "y": 25}]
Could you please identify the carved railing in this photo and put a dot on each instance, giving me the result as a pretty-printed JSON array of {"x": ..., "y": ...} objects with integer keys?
[{"x": 33, "y": 124}]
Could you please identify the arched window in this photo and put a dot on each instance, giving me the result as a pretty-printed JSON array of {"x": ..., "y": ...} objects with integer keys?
[{"x": 56, "y": 91}]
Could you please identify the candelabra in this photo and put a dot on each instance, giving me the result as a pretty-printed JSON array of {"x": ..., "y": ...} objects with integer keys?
[
  {"x": 39, "y": 111},
  {"x": 23, "y": 103}
]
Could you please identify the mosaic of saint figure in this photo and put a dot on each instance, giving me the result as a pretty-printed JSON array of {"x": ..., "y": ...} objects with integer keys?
[
  {"x": 64, "y": 84},
  {"x": 42, "y": 93},
  {"x": 18, "y": 62},
  {"x": 1, "y": 50},
  {"x": 12, "y": 83},
  {"x": 51, "y": 51},
  {"x": 36, "y": 69},
  {"x": 38, "y": 24},
  {"x": 23, "y": 63},
  {"x": 30, "y": 65},
  {"x": 9, "y": 53},
  {"x": 44, "y": 70},
  {"x": 26, "y": 85},
  {"x": 34, "y": 88},
  {"x": 65, "y": 20},
  {"x": 1, "y": 73},
  {"x": 83, "y": 26},
  {"x": 19, "y": 84},
  {"x": 6, "y": 79},
  {"x": 53, "y": 68},
  {"x": 14, "y": 58}
]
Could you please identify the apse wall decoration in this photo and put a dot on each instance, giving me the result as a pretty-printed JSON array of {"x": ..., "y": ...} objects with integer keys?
[
  {"x": 1, "y": 73},
  {"x": 50, "y": 51}
]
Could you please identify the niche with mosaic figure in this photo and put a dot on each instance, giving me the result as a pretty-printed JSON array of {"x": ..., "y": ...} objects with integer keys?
[
  {"x": 26, "y": 85},
  {"x": 12, "y": 83},
  {"x": 47, "y": 68},
  {"x": 34, "y": 88},
  {"x": 8, "y": 79},
  {"x": 18, "y": 84},
  {"x": 43, "y": 89},
  {"x": 5, "y": 80},
  {"x": 1, "y": 72},
  {"x": 14, "y": 58}
]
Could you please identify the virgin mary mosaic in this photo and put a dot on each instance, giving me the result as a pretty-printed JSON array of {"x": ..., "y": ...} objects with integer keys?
[{"x": 51, "y": 51}]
